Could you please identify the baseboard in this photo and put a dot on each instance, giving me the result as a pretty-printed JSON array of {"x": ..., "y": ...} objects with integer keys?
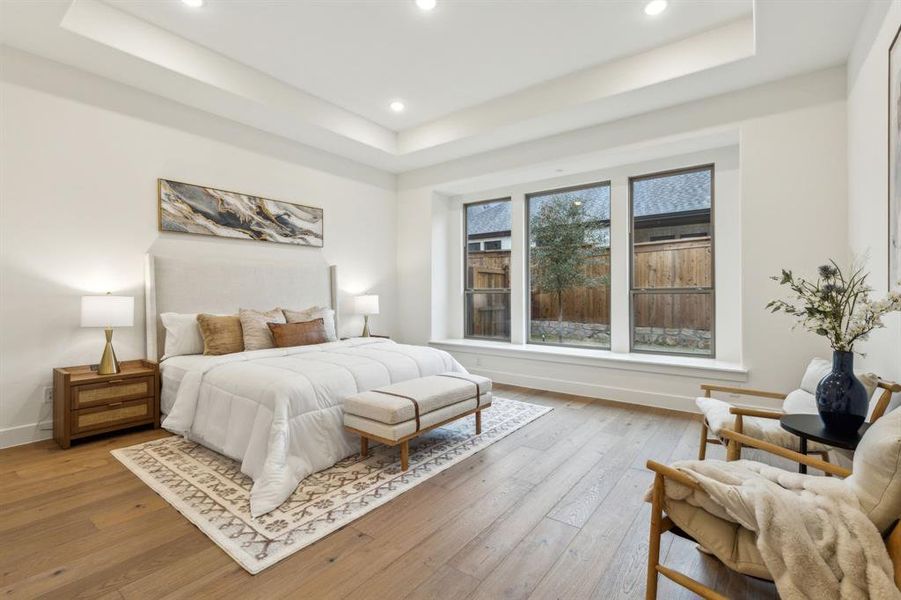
[
  {"x": 591, "y": 390},
  {"x": 25, "y": 434}
]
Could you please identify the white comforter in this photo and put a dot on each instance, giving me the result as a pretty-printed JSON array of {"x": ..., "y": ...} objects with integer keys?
[{"x": 280, "y": 412}]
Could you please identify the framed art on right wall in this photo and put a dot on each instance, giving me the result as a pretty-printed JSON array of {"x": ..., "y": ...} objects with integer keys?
[{"x": 894, "y": 166}]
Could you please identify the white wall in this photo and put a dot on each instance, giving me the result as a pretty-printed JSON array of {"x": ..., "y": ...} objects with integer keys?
[
  {"x": 868, "y": 171},
  {"x": 80, "y": 158},
  {"x": 792, "y": 187}
]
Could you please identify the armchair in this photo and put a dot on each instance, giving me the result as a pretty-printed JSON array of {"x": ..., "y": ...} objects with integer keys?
[
  {"x": 798, "y": 401},
  {"x": 876, "y": 482}
]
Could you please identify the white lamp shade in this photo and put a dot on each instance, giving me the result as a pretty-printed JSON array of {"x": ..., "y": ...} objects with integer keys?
[
  {"x": 366, "y": 305},
  {"x": 107, "y": 311}
]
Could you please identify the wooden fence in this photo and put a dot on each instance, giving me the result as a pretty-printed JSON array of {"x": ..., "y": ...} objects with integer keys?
[{"x": 670, "y": 263}]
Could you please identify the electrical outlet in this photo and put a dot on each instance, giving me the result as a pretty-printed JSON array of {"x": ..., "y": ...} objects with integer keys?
[
  {"x": 478, "y": 361},
  {"x": 48, "y": 394}
]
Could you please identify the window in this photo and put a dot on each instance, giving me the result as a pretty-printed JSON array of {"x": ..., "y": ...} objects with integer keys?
[
  {"x": 672, "y": 291},
  {"x": 487, "y": 278},
  {"x": 569, "y": 266}
]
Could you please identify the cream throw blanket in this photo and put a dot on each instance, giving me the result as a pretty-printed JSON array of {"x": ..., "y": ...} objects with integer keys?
[{"x": 811, "y": 533}]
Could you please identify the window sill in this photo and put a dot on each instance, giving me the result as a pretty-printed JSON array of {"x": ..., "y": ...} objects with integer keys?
[{"x": 684, "y": 366}]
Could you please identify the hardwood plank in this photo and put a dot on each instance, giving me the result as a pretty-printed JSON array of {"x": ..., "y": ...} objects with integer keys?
[
  {"x": 524, "y": 567},
  {"x": 625, "y": 577},
  {"x": 583, "y": 499},
  {"x": 446, "y": 583},
  {"x": 483, "y": 554},
  {"x": 588, "y": 556},
  {"x": 412, "y": 568}
]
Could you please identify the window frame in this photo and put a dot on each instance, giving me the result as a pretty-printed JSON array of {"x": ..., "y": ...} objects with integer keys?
[
  {"x": 711, "y": 291},
  {"x": 468, "y": 292},
  {"x": 528, "y": 261}
]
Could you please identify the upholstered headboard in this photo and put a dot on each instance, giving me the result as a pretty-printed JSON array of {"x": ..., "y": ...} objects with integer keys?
[{"x": 177, "y": 284}]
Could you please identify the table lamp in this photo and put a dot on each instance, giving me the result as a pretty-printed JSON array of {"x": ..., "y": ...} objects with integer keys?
[
  {"x": 366, "y": 305},
  {"x": 107, "y": 311}
]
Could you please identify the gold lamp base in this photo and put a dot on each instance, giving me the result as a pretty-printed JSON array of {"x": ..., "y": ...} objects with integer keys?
[
  {"x": 108, "y": 363},
  {"x": 365, "y": 325}
]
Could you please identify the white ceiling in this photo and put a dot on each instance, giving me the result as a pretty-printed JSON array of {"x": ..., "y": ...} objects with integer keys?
[
  {"x": 361, "y": 55},
  {"x": 476, "y": 75}
]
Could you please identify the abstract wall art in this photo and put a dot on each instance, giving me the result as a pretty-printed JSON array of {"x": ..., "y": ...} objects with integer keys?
[{"x": 188, "y": 208}]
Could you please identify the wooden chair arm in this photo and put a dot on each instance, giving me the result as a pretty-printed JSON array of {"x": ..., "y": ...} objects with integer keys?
[
  {"x": 797, "y": 457},
  {"x": 674, "y": 474},
  {"x": 709, "y": 387},
  {"x": 756, "y": 412},
  {"x": 893, "y": 545}
]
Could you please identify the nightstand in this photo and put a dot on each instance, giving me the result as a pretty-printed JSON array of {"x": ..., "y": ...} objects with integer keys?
[{"x": 86, "y": 404}]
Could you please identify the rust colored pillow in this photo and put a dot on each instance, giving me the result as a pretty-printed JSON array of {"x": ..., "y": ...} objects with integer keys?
[
  {"x": 298, "y": 334},
  {"x": 222, "y": 334}
]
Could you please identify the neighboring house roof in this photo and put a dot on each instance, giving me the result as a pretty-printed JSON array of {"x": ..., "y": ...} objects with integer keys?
[
  {"x": 488, "y": 218},
  {"x": 684, "y": 192}
]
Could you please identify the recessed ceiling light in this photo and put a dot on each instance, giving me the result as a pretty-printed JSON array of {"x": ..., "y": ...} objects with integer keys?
[
  {"x": 397, "y": 106},
  {"x": 426, "y": 4},
  {"x": 193, "y": 3},
  {"x": 655, "y": 7}
]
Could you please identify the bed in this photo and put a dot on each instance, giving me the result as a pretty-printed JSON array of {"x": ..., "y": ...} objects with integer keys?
[{"x": 277, "y": 411}]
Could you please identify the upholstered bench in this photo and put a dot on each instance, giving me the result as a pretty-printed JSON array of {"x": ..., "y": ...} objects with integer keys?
[{"x": 397, "y": 413}]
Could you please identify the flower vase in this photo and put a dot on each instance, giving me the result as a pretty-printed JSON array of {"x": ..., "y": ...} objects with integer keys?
[{"x": 841, "y": 398}]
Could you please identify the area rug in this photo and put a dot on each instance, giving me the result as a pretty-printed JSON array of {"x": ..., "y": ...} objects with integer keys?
[{"x": 210, "y": 490}]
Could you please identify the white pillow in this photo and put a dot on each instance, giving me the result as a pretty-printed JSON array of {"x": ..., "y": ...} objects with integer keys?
[
  {"x": 182, "y": 334},
  {"x": 876, "y": 476},
  {"x": 314, "y": 312},
  {"x": 816, "y": 370},
  {"x": 819, "y": 367}
]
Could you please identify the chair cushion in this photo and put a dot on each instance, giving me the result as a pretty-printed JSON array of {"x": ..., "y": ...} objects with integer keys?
[
  {"x": 819, "y": 367},
  {"x": 876, "y": 475},
  {"x": 800, "y": 401},
  {"x": 728, "y": 541},
  {"x": 431, "y": 393},
  {"x": 816, "y": 370}
]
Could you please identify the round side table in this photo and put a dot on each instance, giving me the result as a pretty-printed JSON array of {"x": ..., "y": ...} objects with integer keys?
[{"x": 810, "y": 427}]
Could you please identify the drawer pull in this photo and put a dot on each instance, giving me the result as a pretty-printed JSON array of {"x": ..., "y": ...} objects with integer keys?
[
  {"x": 115, "y": 403},
  {"x": 115, "y": 381}
]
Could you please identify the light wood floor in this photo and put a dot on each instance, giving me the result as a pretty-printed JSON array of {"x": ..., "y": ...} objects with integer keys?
[{"x": 555, "y": 510}]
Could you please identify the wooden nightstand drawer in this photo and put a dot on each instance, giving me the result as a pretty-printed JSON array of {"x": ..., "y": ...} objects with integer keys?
[
  {"x": 112, "y": 415},
  {"x": 116, "y": 390},
  {"x": 86, "y": 403}
]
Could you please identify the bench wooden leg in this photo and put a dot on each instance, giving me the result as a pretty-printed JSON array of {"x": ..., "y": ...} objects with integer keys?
[
  {"x": 404, "y": 455},
  {"x": 478, "y": 422},
  {"x": 364, "y": 446}
]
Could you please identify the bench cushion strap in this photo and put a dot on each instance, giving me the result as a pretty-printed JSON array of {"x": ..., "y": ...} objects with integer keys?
[
  {"x": 478, "y": 391},
  {"x": 415, "y": 404}
]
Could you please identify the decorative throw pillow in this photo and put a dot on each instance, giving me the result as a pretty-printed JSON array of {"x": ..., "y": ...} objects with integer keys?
[
  {"x": 314, "y": 312},
  {"x": 221, "y": 334},
  {"x": 298, "y": 334},
  {"x": 182, "y": 334},
  {"x": 256, "y": 335},
  {"x": 820, "y": 367},
  {"x": 876, "y": 476}
]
